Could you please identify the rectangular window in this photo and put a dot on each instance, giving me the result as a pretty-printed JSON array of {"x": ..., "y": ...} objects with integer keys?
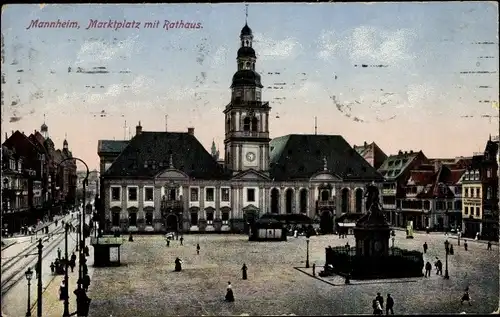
[
  {"x": 488, "y": 173},
  {"x": 194, "y": 194},
  {"x": 115, "y": 193},
  {"x": 224, "y": 194},
  {"x": 250, "y": 195},
  {"x": 115, "y": 221},
  {"x": 477, "y": 211},
  {"x": 477, "y": 192},
  {"x": 132, "y": 219},
  {"x": 449, "y": 205},
  {"x": 225, "y": 218},
  {"x": 210, "y": 217},
  {"x": 209, "y": 194},
  {"x": 149, "y": 219},
  {"x": 466, "y": 210},
  {"x": 132, "y": 194},
  {"x": 194, "y": 219},
  {"x": 148, "y": 194}
]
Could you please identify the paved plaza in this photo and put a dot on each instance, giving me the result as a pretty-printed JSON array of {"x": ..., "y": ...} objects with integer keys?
[{"x": 146, "y": 284}]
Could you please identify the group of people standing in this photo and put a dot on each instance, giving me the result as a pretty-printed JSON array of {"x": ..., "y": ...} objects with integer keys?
[{"x": 378, "y": 305}]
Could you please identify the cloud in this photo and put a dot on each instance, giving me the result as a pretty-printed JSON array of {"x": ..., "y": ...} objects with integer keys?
[
  {"x": 98, "y": 50},
  {"x": 272, "y": 49},
  {"x": 368, "y": 45},
  {"x": 417, "y": 94}
]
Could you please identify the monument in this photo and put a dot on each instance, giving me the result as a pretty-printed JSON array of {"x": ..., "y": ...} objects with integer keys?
[{"x": 372, "y": 258}]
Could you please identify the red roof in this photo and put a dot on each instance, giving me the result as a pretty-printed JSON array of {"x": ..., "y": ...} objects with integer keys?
[{"x": 422, "y": 178}]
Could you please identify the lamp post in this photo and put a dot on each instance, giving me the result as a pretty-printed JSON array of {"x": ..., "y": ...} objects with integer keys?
[
  {"x": 66, "y": 282},
  {"x": 446, "y": 246},
  {"x": 81, "y": 261},
  {"x": 307, "y": 254},
  {"x": 29, "y": 275},
  {"x": 39, "y": 276}
]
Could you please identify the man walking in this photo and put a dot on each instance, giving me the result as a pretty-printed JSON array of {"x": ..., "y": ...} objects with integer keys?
[
  {"x": 428, "y": 268},
  {"x": 197, "y": 248},
  {"x": 425, "y": 247},
  {"x": 59, "y": 253},
  {"x": 389, "y": 305},
  {"x": 439, "y": 267},
  {"x": 489, "y": 245},
  {"x": 380, "y": 299}
]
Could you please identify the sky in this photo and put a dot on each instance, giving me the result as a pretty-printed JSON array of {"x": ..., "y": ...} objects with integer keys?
[{"x": 430, "y": 81}]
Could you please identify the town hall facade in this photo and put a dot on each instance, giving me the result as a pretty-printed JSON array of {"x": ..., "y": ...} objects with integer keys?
[{"x": 167, "y": 181}]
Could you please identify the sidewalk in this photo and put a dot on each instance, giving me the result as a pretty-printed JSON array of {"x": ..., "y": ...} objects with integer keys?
[
  {"x": 52, "y": 306},
  {"x": 450, "y": 235}
]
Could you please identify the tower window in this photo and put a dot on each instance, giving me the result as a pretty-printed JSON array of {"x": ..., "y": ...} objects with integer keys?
[
  {"x": 228, "y": 124},
  {"x": 246, "y": 124},
  {"x": 255, "y": 124},
  {"x": 247, "y": 65},
  {"x": 246, "y": 43}
]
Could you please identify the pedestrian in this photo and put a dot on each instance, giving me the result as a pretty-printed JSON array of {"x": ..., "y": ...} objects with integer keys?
[
  {"x": 86, "y": 251},
  {"x": 181, "y": 240},
  {"x": 244, "y": 270},
  {"x": 451, "y": 249},
  {"x": 380, "y": 299},
  {"x": 466, "y": 297},
  {"x": 197, "y": 248},
  {"x": 389, "y": 305},
  {"x": 52, "y": 267},
  {"x": 73, "y": 257},
  {"x": 72, "y": 264},
  {"x": 428, "y": 268},
  {"x": 130, "y": 238},
  {"x": 465, "y": 245},
  {"x": 489, "y": 245},
  {"x": 168, "y": 242},
  {"x": 86, "y": 282},
  {"x": 59, "y": 253},
  {"x": 377, "y": 308},
  {"x": 178, "y": 266},
  {"x": 439, "y": 267},
  {"x": 425, "y": 247},
  {"x": 229, "y": 293},
  {"x": 62, "y": 291},
  {"x": 314, "y": 269}
]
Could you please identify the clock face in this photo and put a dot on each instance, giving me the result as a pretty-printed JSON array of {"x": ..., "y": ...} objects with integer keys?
[{"x": 250, "y": 156}]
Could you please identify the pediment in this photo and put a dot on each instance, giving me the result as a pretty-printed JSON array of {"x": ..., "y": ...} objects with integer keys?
[
  {"x": 133, "y": 209},
  {"x": 149, "y": 209},
  {"x": 172, "y": 174},
  {"x": 212, "y": 209},
  {"x": 325, "y": 176},
  {"x": 116, "y": 209},
  {"x": 251, "y": 174},
  {"x": 250, "y": 208}
]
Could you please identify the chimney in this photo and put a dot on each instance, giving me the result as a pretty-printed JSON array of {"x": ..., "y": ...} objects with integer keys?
[
  {"x": 138, "y": 129},
  {"x": 365, "y": 144},
  {"x": 191, "y": 131}
]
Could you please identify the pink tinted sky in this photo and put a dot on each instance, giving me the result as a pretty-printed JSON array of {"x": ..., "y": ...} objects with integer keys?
[{"x": 417, "y": 102}]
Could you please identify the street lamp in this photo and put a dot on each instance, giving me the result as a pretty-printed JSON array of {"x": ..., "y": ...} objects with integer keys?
[
  {"x": 29, "y": 275},
  {"x": 393, "y": 234},
  {"x": 446, "y": 246},
  {"x": 307, "y": 255}
]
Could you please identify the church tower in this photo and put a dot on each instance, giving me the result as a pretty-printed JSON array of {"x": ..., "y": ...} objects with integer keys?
[
  {"x": 44, "y": 129},
  {"x": 247, "y": 116}
]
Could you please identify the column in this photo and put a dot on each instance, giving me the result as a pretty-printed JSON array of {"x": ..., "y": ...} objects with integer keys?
[
  {"x": 297, "y": 200},
  {"x": 140, "y": 213},
  {"x": 124, "y": 213},
  {"x": 237, "y": 121},
  {"x": 157, "y": 199},
  {"x": 261, "y": 158},
  {"x": 201, "y": 213},
  {"x": 217, "y": 202},
  {"x": 282, "y": 200},
  {"x": 261, "y": 200},
  {"x": 240, "y": 201},
  {"x": 240, "y": 157},
  {"x": 267, "y": 200},
  {"x": 311, "y": 210}
]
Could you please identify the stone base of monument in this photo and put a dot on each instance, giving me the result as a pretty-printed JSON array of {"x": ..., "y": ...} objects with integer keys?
[{"x": 345, "y": 262}]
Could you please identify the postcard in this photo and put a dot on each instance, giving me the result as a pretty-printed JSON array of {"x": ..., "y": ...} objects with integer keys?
[{"x": 250, "y": 159}]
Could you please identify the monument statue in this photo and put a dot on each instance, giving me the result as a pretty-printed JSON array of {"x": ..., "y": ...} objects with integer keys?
[{"x": 372, "y": 198}]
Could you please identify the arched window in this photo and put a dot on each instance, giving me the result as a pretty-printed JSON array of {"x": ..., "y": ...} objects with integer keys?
[
  {"x": 246, "y": 124},
  {"x": 255, "y": 124},
  {"x": 303, "y": 200},
  {"x": 247, "y": 65},
  {"x": 275, "y": 198},
  {"x": 228, "y": 124},
  {"x": 325, "y": 195},
  {"x": 289, "y": 201},
  {"x": 246, "y": 43}
]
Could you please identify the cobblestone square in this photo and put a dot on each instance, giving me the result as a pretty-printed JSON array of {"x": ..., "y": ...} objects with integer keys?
[{"x": 146, "y": 285}]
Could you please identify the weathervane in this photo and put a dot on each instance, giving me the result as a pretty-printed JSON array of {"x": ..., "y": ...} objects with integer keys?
[
  {"x": 325, "y": 164},
  {"x": 246, "y": 13},
  {"x": 170, "y": 162}
]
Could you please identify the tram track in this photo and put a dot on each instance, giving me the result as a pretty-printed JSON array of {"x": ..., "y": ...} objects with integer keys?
[{"x": 17, "y": 275}]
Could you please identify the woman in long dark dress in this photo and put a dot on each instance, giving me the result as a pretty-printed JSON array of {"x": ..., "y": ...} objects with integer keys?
[
  {"x": 178, "y": 266},
  {"x": 229, "y": 293},
  {"x": 244, "y": 270}
]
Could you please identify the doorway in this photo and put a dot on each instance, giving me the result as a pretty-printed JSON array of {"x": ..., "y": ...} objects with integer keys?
[
  {"x": 326, "y": 222},
  {"x": 172, "y": 223}
]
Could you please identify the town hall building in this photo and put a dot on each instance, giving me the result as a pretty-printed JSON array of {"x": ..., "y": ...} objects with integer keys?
[{"x": 167, "y": 181}]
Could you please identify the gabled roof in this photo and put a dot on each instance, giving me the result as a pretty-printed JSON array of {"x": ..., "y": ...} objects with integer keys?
[
  {"x": 374, "y": 150},
  {"x": 436, "y": 182},
  {"x": 395, "y": 165},
  {"x": 157, "y": 149},
  {"x": 300, "y": 156},
  {"x": 111, "y": 146}
]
